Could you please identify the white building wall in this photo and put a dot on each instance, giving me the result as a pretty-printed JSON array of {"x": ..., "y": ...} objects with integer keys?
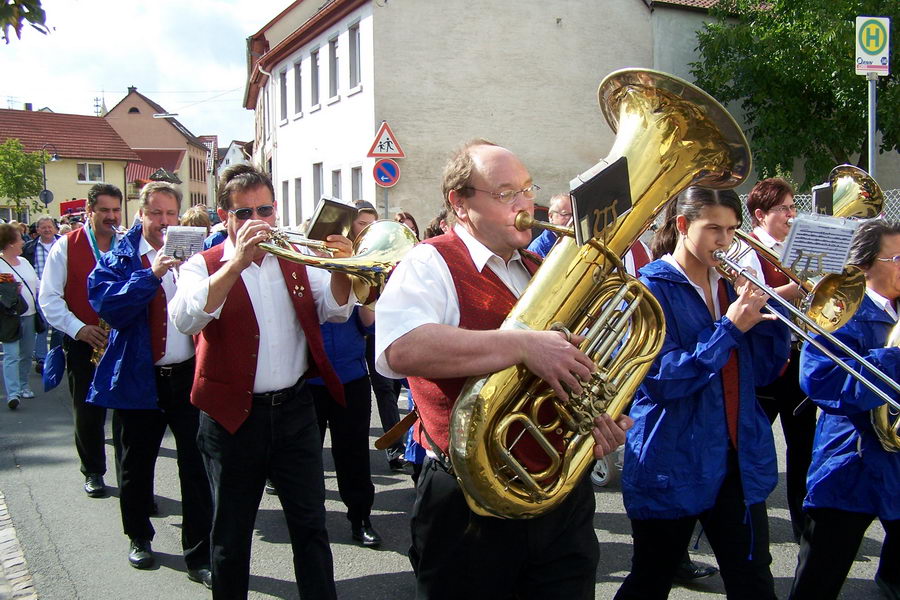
[{"x": 336, "y": 132}]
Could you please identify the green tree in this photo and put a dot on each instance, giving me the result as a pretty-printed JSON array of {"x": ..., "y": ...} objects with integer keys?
[
  {"x": 15, "y": 13},
  {"x": 21, "y": 175},
  {"x": 790, "y": 66}
]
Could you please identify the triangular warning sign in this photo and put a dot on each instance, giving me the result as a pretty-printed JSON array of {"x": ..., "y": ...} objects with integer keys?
[{"x": 385, "y": 144}]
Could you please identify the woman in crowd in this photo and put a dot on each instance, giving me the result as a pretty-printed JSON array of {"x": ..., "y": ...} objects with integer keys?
[
  {"x": 701, "y": 449},
  {"x": 196, "y": 216},
  {"x": 853, "y": 479},
  {"x": 17, "y": 354},
  {"x": 408, "y": 220}
]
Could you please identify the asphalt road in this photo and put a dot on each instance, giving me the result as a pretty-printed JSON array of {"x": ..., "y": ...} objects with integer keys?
[{"x": 75, "y": 548}]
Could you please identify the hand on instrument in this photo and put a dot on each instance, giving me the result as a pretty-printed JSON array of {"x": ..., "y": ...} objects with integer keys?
[
  {"x": 552, "y": 357},
  {"x": 162, "y": 264},
  {"x": 609, "y": 434},
  {"x": 93, "y": 335},
  {"x": 248, "y": 237},
  {"x": 341, "y": 246},
  {"x": 745, "y": 311}
]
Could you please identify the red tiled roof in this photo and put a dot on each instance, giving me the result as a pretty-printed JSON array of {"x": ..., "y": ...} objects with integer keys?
[
  {"x": 690, "y": 3},
  {"x": 151, "y": 161},
  {"x": 73, "y": 136}
]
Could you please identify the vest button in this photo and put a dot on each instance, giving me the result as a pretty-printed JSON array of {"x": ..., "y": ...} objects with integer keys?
[
  {"x": 256, "y": 337},
  {"x": 252, "y": 356}
]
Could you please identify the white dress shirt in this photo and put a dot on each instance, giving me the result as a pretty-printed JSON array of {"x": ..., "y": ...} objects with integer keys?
[
  {"x": 179, "y": 347},
  {"x": 282, "y": 356},
  {"x": 421, "y": 291},
  {"x": 888, "y": 305},
  {"x": 53, "y": 285},
  {"x": 714, "y": 278}
]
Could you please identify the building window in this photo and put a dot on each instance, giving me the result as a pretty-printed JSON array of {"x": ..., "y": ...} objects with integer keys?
[
  {"x": 354, "y": 55},
  {"x": 314, "y": 77},
  {"x": 317, "y": 182},
  {"x": 285, "y": 201},
  {"x": 133, "y": 110},
  {"x": 298, "y": 201},
  {"x": 90, "y": 172},
  {"x": 336, "y": 183},
  {"x": 356, "y": 183},
  {"x": 333, "y": 73},
  {"x": 282, "y": 88},
  {"x": 298, "y": 89}
]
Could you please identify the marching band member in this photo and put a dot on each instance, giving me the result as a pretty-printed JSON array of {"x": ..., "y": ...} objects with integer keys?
[
  {"x": 701, "y": 449},
  {"x": 436, "y": 323},
  {"x": 853, "y": 479},
  {"x": 771, "y": 205}
]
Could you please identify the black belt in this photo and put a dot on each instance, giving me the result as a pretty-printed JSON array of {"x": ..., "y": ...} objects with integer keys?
[
  {"x": 278, "y": 397},
  {"x": 172, "y": 370}
]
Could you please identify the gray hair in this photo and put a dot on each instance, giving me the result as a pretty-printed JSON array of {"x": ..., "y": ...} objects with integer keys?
[{"x": 866, "y": 243}]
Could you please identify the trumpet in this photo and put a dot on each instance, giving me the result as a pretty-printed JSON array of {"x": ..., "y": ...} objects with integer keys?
[
  {"x": 97, "y": 353},
  {"x": 812, "y": 325}
]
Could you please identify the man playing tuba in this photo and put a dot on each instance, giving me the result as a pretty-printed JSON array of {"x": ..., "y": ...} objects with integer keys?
[{"x": 437, "y": 325}]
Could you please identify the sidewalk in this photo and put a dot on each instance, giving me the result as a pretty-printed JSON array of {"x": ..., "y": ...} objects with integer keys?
[{"x": 15, "y": 580}]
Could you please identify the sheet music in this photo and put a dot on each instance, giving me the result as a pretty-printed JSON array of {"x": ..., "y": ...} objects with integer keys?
[
  {"x": 818, "y": 244},
  {"x": 183, "y": 242}
]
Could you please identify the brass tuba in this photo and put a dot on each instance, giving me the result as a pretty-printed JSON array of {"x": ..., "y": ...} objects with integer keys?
[
  {"x": 376, "y": 251},
  {"x": 673, "y": 135}
]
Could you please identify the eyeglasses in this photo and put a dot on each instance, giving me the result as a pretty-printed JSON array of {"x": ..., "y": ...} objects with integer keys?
[
  {"x": 242, "y": 214},
  {"x": 509, "y": 196},
  {"x": 786, "y": 209},
  {"x": 563, "y": 214},
  {"x": 894, "y": 259}
]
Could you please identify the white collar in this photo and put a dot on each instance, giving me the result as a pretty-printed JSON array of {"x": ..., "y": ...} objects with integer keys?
[
  {"x": 714, "y": 276},
  {"x": 887, "y": 305},
  {"x": 480, "y": 253},
  {"x": 144, "y": 246},
  {"x": 765, "y": 238}
]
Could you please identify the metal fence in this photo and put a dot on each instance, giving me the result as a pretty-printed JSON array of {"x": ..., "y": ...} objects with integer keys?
[{"x": 804, "y": 204}]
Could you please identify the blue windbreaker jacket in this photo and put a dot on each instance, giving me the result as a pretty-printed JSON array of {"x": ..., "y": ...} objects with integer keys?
[
  {"x": 850, "y": 470},
  {"x": 675, "y": 455},
  {"x": 120, "y": 290}
]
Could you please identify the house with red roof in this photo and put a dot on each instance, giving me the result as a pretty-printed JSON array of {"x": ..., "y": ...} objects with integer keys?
[
  {"x": 86, "y": 149},
  {"x": 162, "y": 142}
]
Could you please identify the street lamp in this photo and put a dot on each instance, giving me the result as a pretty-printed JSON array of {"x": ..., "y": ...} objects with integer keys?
[{"x": 46, "y": 195}]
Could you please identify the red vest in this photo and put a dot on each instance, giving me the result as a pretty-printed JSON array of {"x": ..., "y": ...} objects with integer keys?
[
  {"x": 228, "y": 346},
  {"x": 80, "y": 261},
  {"x": 159, "y": 318},
  {"x": 484, "y": 302},
  {"x": 773, "y": 277}
]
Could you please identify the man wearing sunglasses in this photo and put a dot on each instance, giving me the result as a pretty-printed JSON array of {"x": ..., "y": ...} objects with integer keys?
[
  {"x": 437, "y": 324},
  {"x": 256, "y": 318}
]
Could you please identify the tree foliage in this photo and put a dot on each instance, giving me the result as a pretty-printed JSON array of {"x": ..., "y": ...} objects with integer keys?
[
  {"x": 21, "y": 174},
  {"x": 790, "y": 65},
  {"x": 15, "y": 13}
]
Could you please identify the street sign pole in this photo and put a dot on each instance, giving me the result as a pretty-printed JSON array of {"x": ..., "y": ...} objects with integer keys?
[{"x": 872, "y": 79}]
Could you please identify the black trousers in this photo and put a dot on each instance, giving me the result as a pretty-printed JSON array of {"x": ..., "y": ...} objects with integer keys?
[
  {"x": 281, "y": 443},
  {"x": 739, "y": 536},
  {"x": 829, "y": 546},
  {"x": 137, "y": 435},
  {"x": 349, "y": 443},
  {"x": 458, "y": 554},
  {"x": 781, "y": 398},
  {"x": 387, "y": 393},
  {"x": 90, "y": 420}
]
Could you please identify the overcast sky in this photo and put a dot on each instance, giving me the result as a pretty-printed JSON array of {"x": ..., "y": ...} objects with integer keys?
[{"x": 187, "y": 55}]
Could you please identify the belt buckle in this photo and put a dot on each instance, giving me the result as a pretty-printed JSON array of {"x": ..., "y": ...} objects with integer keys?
[
  {"x": 166, "y": 370},
  {"x": 278, "y": 398}
]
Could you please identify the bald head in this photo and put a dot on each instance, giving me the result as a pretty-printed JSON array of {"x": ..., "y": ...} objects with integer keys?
[{"x": 560, "y": 209}]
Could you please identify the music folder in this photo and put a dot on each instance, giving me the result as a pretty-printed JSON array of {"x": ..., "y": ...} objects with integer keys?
[
  {"x": 600, "y": 195},
  {"x": 331, "y": 217},
  {"x": 823, "y": 199}
]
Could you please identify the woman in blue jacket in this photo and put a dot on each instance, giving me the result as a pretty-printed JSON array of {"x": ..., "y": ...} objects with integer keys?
[
  {"x": 852, "y": 479},
  {"x": 701, "y": 447}
]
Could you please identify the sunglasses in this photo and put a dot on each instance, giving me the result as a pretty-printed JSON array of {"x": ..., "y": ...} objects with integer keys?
[{"x": 242, "y": 214}]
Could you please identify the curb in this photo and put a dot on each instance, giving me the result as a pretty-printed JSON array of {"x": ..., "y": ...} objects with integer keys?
[{"x": 15, "y": 579}]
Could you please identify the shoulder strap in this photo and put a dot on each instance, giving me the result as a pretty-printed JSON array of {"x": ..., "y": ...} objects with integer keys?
[{"x": 28, "y": 287}]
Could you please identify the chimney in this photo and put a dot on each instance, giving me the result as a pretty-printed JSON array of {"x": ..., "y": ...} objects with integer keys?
[
  {"x": 131, "y": 89},
  {"x": 28, "y": 106}
]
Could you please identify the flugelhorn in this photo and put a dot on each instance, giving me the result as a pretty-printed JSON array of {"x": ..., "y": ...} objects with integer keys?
[
  {"x": 376, "y": 251},
  {"x": 673, "y": 135}
]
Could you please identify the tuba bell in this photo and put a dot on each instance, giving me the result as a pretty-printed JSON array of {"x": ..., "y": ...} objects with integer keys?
[{"x": 673, "y": 135}]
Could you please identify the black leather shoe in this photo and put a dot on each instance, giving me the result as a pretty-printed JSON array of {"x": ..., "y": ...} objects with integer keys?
[
  {"x": 140, "y": 555},
  {"x": 365, "y": 534},
  {"x": 94, "y": 486},
  {"x": 202, "y": 575},
  {"x": 270, "y": 488},
  {"x": 397, "y": 464},
  {"x": 689, "y": 571}
]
